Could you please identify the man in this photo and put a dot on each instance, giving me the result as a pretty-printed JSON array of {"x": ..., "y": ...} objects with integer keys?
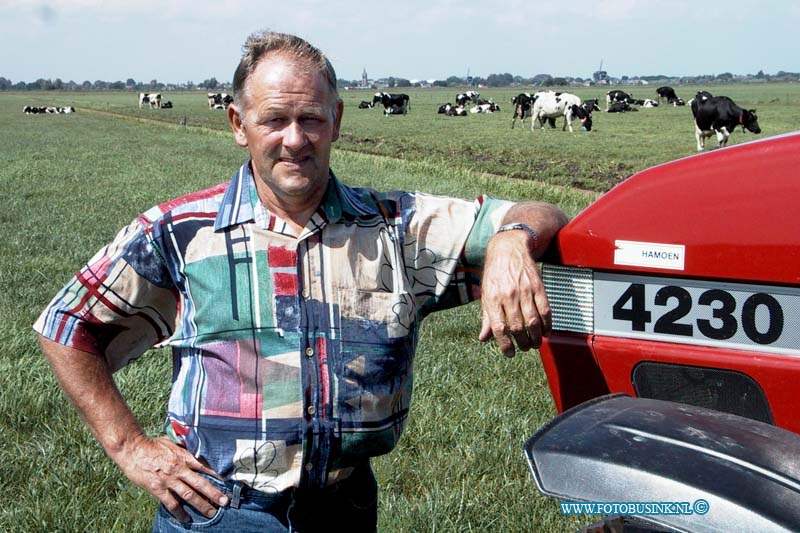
[{"x": 292, "y": 304}]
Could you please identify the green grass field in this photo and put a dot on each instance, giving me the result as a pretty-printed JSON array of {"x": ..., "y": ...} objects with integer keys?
[{"x": 71, "y": 181}]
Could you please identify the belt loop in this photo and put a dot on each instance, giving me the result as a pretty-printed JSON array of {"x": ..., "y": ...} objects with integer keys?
[{"x": 237, "y": 494}]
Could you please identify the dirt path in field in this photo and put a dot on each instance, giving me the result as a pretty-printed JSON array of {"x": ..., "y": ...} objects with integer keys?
[
  {"x": 594, "y": 195},
  {"x": 152, "y": 121}
]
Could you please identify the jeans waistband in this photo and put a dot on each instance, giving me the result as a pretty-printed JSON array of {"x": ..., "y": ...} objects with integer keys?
[{"x": 243, "y": 495}]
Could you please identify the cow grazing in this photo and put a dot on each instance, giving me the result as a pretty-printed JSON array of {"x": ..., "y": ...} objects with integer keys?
[
  {"x": 720, "y": 115},
  {"x": 580, "y": 112},
  {"x": 393, "y": 104},
  {"x": 666, "y": 93},
  {"x": 522, "y": 108},
  {"x": 469, "y": 96},
  {"x": 620, "y": 107},
  {"x": 551, "y": 105},
  {"x": 219, "y": 100},
  {"x": 592, "y": 104},
  {"x": 616, "y": 96},
  {"x": 153, "y": 99},
  {"x": 365, "y": 105}
]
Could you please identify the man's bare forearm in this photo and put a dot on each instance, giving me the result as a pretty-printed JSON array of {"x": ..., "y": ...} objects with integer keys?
[
  {"x": 545, "y": 219},
  {"x": 87, "y": 381},
  {"x": 167, "y": 471}
]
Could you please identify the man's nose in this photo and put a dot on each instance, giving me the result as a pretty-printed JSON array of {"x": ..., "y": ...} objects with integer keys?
[{"x": 294, "y": 136}]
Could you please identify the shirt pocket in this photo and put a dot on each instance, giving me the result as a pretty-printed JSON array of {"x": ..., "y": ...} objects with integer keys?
[{"x": 378, "y": 337}]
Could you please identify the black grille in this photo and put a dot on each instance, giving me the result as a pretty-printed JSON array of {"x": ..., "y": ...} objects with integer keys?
[{"x": 714, "y": 388}]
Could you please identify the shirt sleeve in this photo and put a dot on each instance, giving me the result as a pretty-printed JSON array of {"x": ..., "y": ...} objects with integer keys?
[
  {"x": 444, "y": 247},
  {"x": 120, "y": 304}
]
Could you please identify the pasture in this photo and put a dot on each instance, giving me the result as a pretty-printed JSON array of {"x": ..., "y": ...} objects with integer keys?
[{"x": 71, "y": 181}]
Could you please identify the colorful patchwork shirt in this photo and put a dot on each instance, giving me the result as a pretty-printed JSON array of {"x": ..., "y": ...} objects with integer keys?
[{"x": 292, "y": 354}]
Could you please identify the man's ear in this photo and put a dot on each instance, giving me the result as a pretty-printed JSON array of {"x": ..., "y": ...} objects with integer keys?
[
  {"x": 237, "y": 125},
  {"x": 338, "y": 120}
]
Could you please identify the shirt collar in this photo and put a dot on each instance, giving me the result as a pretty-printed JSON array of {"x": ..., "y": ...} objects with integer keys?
[{"x": 240, "y": 198}]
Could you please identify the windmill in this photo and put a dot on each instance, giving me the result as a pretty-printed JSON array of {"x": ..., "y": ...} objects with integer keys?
[{"x": 600, "y": 75}]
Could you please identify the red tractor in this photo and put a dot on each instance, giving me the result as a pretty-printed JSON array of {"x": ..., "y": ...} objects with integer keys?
[{"x": 681, "y": 289}]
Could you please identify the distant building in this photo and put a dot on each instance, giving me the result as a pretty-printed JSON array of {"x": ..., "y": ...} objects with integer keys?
[
  {"x": 364, "y": 79},
  {"x": 600, "y": 76}
]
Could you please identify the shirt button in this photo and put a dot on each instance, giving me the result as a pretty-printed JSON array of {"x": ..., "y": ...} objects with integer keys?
[
  {"x": 310, "y": 351},
  {"x": 309, "y": 467},
  {"x": 311, "y": 410},
  {"x": 305, "y": 294}
]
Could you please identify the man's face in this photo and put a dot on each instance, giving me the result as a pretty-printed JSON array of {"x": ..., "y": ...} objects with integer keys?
[{"x": 290, "y": 120}]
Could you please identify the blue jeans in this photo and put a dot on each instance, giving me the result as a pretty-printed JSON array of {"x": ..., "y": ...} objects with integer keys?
[{"x": 351, "y": 504}]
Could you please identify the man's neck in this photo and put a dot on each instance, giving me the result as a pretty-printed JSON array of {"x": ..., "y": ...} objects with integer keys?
[{"x": 295, "y": 211}]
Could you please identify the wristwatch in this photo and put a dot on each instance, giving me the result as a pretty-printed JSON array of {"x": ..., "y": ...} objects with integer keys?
[{"x": 523, "y": 227}]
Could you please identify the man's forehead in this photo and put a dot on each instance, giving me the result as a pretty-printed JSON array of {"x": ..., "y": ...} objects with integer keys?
[
  {"x": 284, "y": 78},
  {"x": 281, "y": 66}
]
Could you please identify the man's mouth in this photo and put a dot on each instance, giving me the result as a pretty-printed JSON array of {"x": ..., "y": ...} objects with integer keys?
[{"x": 294, "y": 160}]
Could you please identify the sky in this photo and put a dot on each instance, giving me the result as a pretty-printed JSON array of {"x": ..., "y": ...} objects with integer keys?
[{"x": 193, "y": 40}]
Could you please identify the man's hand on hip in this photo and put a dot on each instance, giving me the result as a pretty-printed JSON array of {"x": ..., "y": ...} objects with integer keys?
[{"x": 170, "y": 473}]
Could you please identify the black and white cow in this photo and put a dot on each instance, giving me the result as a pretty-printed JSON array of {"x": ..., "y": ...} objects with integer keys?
[
  {"x": 592, "y": 104},
  {"x": 394, "y": 110},
  {"x": 551, "y": 105},
  {"x": 450, "y": 110},
  {"x": 648, "y": 102},
  {"x": 154, "y": 99},
  {"x": 167, "y": 105},
  {"x": 219, "y": 100},
  {"x": 393, "y": 104},
  {"x": 35, "y": 110},
  {"x": 522, "y": 108},
  {"x": 485, "y": 106},
  {"x": 365, "y": 105},
  {"x": 584, "y": 115},
  {"x": 701, "y": 95},
  {"x": 620, "y": 107},
  {"x": 666, "y": 93},
  {"x": 677, "y": 102},
  {"x": 720, "y": 115},
  {"x": 469, "y": 96},
  {"x": 617, "y": 96}
]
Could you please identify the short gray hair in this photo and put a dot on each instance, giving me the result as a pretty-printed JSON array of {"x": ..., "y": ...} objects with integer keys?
[{"x": 262, "y": 43}]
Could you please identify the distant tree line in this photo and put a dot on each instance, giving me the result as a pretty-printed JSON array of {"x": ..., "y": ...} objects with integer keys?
[
  {"x": 546, "y": 80},
  {"x": 100, "y": 85},
  {"x": 492, "y": 80}
]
